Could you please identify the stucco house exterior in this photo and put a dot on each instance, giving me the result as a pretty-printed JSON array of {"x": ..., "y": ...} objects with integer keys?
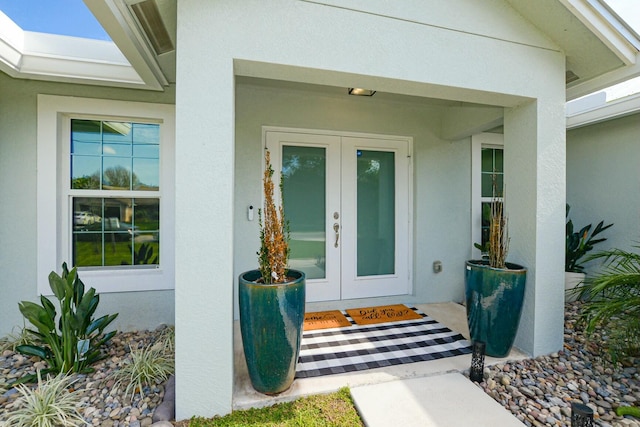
[
  {"x": 603, "y": 150},
  {"x": 209, "y": 85}
]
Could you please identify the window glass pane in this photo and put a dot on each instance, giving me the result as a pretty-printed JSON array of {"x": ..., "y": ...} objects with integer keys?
[
  {"x": 304, "y": 186},
  {"x": 111, "y": 232},
  {"x": 117, "y": 150},
  {"x": 144, "y": 133},
  {"x": 116, "y": 132},
  {"x": 498, "y": 160},
  {"x": 487, "y": 160},
  {"x": 86, "y": 137},
  {"x": 376, "y": 212},
  {"x": 486, "y": 217},
  {"x": 85, "y": 172},
  {"x": 150, "y": 151},
  {"x": 146, "y": 216},
  {"x": 487, "y": 184},
  {"x": 146, "y": 174},
  {"x": 117, "y": 173}
]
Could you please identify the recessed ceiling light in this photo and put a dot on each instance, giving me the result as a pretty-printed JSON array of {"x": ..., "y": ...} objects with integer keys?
[{"x": 361, "y": 92}]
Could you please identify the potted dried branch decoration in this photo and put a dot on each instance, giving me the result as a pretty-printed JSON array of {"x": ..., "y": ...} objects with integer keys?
[
  {"x": 495, "y": 288},
  {"x": 272, "y": 301}
]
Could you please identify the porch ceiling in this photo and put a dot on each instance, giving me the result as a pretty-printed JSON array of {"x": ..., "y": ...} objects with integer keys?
[{"x": 328, "y": 90}]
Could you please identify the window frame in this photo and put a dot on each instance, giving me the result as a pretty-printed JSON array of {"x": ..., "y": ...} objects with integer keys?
[
  {"x": 54, "y": 194},
  {"x": 478, "y": 142}
]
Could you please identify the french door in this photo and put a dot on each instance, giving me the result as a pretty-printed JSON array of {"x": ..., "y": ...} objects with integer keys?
[{"x": 346, "y": 197}]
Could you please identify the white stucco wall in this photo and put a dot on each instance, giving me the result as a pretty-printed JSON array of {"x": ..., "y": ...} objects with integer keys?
[
  {"x": 18, "y": 204},
  {"x": 603, "y": 182},
  {"x": 501, "y": 60}
]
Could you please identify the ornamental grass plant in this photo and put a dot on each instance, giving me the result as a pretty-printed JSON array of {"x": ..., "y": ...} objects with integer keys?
[
  {"x": 147, "y": 367},
  {"x": 50, "y": 404},
  {"x": 15, "y": 338}
]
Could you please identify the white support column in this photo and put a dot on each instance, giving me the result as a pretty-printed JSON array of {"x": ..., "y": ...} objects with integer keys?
[
  {"x": 534, "y": 150},
  {"x": 204, "y": 222}
]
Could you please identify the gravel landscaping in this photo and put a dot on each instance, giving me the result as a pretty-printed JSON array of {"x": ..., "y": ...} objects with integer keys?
[
  {"x": 537, "y": 391},
  {"x": 102, "y": 404}
]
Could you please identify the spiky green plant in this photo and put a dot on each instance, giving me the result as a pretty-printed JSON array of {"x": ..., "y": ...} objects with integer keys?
[
  {"x": 50, "y": 404},
  {"x": 613, "y": 301},
  {"x": 145, "y": 367},
  {"x": 74, "y": 344},
  {"x": 578, "y": 243}
]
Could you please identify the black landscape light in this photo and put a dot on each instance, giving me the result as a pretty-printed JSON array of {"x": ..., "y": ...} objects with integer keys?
[
  {"x": 476, "y": 373},
  {"x": 581, "y": 415}
]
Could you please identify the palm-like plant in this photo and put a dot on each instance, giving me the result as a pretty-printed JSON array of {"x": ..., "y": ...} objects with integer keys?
[{"x": 613, "y": 300}]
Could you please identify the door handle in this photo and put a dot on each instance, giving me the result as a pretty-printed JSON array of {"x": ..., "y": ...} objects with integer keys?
[{"x": 336, "y": 228}]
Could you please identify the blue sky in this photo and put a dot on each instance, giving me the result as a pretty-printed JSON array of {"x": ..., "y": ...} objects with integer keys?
[{"x": 65, "y": 17}]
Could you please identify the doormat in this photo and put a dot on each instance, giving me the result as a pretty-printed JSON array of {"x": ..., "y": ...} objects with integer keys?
[
  {"x": 362, "y": 347},
  {"x": 325, "y": 320},
  {"x": 382, "y": 314}
]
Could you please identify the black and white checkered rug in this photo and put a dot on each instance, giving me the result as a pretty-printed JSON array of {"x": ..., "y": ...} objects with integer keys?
[{"x": 360, "y": 347}]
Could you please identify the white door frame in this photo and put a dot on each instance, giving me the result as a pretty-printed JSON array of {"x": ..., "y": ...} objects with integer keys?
[{"x": 404, "y": 246}]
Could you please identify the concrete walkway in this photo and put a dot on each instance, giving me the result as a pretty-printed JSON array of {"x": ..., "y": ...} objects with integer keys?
[{"x": 447, "y": 400}]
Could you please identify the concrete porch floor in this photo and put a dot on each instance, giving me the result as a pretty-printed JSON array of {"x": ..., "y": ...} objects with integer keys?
[{"x": 451, "y": 315}]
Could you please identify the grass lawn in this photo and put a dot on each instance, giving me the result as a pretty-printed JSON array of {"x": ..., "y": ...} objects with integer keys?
[{"x": 335, "y": 409}]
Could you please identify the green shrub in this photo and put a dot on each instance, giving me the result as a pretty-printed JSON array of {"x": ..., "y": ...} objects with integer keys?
[
  {"x": 50, "y": 404},
  {"x": 147, "y": 366},
  {"x": 74, "y": 345},
  {"x": 613, "y": 301},
  {"x": 578, "y": 243}
]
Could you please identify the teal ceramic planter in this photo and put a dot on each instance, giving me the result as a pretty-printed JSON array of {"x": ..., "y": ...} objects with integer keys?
[
  {"x": 271, "y": 319},
  {"x": 494, "y": 304}
]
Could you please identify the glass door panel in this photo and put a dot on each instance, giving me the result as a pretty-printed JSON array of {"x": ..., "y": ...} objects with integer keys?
[
  {"x": 304, "y": 186},
  {"x": 375, "y": 212},
  {"x": 375, "y": 217}
]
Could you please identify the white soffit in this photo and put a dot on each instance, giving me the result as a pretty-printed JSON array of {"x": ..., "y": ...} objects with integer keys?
[
  {"x": 616, "y": 35},
  {"x": 607, "y": 26},
  {"x": 50, "y": 57}
]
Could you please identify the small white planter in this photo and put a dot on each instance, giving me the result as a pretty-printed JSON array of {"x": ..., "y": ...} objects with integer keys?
[{"x": 571, "y": 281}]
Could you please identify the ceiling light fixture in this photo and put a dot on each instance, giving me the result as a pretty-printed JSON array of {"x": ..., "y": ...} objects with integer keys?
[{"x": 356, "y": 91}]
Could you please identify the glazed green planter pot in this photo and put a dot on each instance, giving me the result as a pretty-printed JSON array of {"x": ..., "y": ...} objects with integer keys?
[
  {"x": 494, "y": 304},
  {"x": 271, "y": 318}
]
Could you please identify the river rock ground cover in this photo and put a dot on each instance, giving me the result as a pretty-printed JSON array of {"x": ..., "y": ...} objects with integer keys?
[
  {"x": 539, "y": 391},
  {"x": 102, "y": 404}
]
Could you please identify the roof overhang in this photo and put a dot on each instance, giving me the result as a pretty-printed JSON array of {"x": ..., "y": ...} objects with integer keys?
[
  {"x": 600, "y": 48},
  {"x": 128, "y": 61}
]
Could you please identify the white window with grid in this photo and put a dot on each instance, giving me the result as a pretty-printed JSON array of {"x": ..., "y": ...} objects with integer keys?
[
  {"x": 105, "y": 192},
  {"x": 487, "y": 162}
]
